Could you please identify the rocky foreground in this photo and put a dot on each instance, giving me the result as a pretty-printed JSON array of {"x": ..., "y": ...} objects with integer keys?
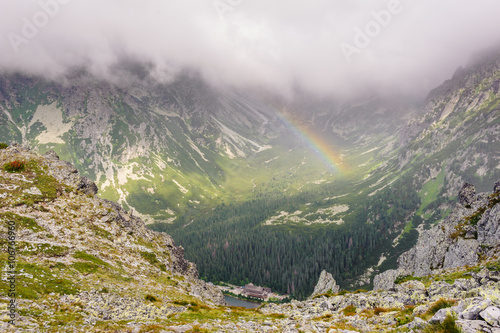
[{"x": 86, "y": 265}]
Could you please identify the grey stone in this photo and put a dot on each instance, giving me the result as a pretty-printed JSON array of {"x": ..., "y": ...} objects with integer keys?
[
  {"x": 87, "y": 186},
  {"x": 326, "y": 283},
  {"x": 441, "y": 315},
  {"x": 472, "y": 311},
  {"x": 51, "y": 154},
  {"x": 488, "y": 227},
  {"x": 467, "y": 194},
  {"x": 473, "y": 326},
  {"x": 490, "y": 315},
  {"x": 496, "y": 187},
  {"x": 385, "y": 280},
  {"x": 417, "y": 323}
]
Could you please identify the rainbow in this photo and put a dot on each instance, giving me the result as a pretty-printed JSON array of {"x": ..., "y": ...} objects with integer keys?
[{"x": 315, "y": 143}]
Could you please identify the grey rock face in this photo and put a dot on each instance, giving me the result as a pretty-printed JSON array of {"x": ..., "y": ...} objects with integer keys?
[
  {"x": 385, "y": 280},
  {"x": 463, "y": 252},
  {"x": 87, "y": 186},
  {"x": 473, "y": 326},
  {"x": 496, "y": 187},
  {"x": 488, "y": 228},
  {"x": 452, "y": 243},
  {"x": 427, "y": 254},
  {"x": 51, "y": 154},
  {"x": 326, "y": 283},
  {"x": 467, "y": 194}
]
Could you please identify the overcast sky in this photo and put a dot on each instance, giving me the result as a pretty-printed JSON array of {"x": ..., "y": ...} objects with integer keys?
[{"x": 326, "y": 46}]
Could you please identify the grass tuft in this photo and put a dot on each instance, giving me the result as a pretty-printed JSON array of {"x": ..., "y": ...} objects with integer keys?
[
  {"x": 449, "y": 325},
  {"x": 440, "y": 304}
]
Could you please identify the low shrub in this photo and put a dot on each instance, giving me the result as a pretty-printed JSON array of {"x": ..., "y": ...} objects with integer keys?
[
  {"x": 349, "y": 310},
  {"x": 15, "y": 166},
  {"x": 151, "y": 298},
  {"x": 3, "y": 145}
]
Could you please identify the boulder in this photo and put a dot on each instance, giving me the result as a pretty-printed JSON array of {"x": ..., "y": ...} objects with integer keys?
[
  {"x": 472, "y": 326},
  {"x": 467, "y": 194},
  {"x": 496, "y": 187},
  {"x": 87, "y": 186},
  {"x": 51, "y": 154},
  {"x": 385, "y": 280},
  {"x": 441, "y": 315},
  {"x": 473, "y": 310},
  {"x": 490, "y": 315},
  {"x": 326, "y": 283},
  {"x": 417, "y": 323}
]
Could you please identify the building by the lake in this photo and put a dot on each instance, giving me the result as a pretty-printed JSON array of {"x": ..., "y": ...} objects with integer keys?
[{"x": 257, "y": 292}]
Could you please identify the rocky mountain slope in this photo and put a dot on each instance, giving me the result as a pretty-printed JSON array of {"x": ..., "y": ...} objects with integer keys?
[
  {"x": 176, "y": 153},
  {"x": 160, "y": 148},
  {"x": 455, "y": 138},
  {"x": 81, "y": 259},
  {"x": 85, "y": 264},
  {"x": 449, "y": 281}
]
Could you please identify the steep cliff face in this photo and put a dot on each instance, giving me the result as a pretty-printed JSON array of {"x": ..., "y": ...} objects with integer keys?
[
  {"x": 458, "y": 129},
  {"x": 467, "y": 234},
  {"x": 156, "y": 147}
]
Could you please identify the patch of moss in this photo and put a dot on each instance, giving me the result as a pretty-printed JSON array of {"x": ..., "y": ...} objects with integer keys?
[
  {"x": 150, "y": 257},
  {"x": 36, "y": 281},
  {"x": 157, "y": 328},
  {"x": 101, "y": 232},
  {"x": 89, "y": 257},
  {"x": 405, "y": 316},
  {"x": 48, "y": 250},
  {"x": 85, "y": 267},
  {"x": 21, "y": 221}
]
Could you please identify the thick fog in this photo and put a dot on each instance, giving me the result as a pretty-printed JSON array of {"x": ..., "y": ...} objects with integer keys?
[{"x": 324, "y": 46}]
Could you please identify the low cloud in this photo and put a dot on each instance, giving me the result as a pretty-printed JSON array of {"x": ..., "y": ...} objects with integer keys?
[{"x": 324, "y": 46}]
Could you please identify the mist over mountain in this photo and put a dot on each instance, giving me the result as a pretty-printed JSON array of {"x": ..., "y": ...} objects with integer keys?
[{"x": 322, "y": 47}]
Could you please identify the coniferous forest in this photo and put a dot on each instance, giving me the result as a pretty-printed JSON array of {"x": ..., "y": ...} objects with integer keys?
[{"x": 231, "y": 244}]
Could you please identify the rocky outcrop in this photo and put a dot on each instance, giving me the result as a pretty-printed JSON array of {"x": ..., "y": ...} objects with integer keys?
[
  {"x": 129, "y": 271},
  {"x": 456, "y": 241},
  {"x": 467, "y": 194},
  {"x": 473, "y": 301},
  {"x": 385, "y": 280},
  {"x": 496, "y": 188},
  {"x": 488, "y": 228},
  {"x": 87, "y": 186},
  {"x": 326, "y": 283}
]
